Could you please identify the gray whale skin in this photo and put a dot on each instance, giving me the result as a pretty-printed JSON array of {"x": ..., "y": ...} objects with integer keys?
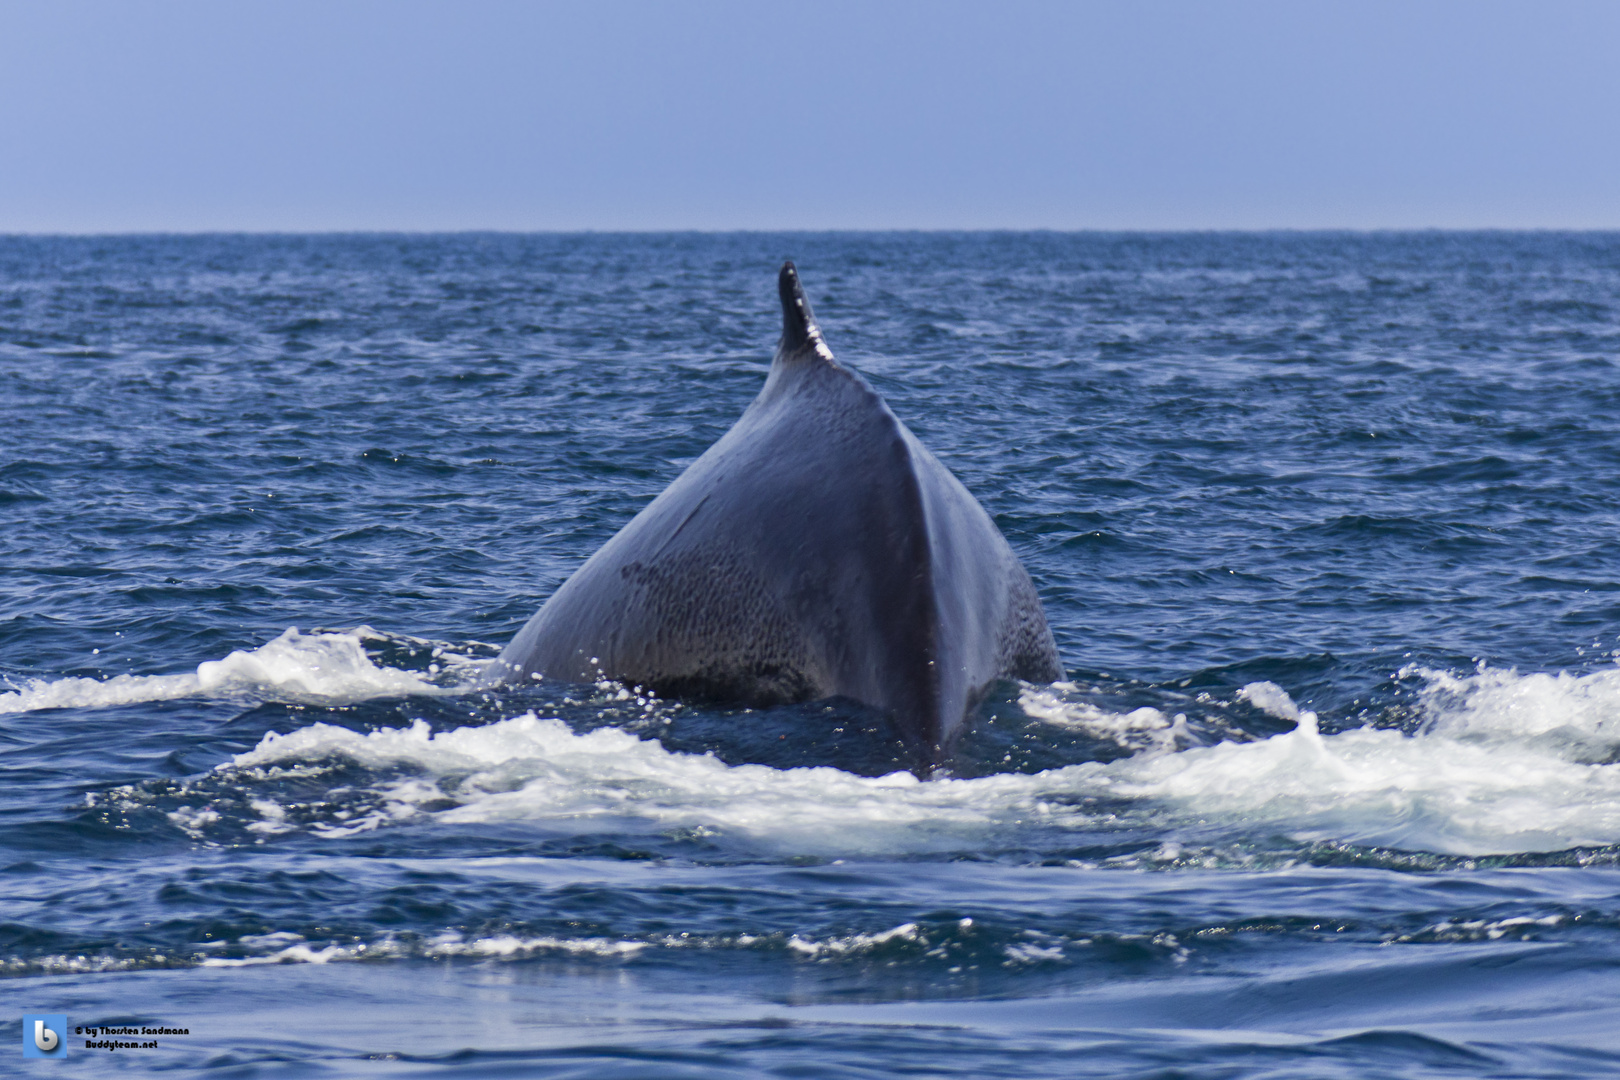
[{"x": 817, "y": 550}]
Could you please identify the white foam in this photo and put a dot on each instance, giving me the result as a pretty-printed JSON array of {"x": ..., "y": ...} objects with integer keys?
[
  {"x": 289, "y": 948},
  {"x": 317, "y": 668},
  {"x": 528, "y": 768},
  {"x": 1501, "y": 763},
  {"x": 1523, "y": 927},
  {"x": 292, "y": 954},
  {"x": 1481, "y": 776},
  {"x": 853, "y": 944},
  {"x": 1145, "y": 728},
  {"x": 1270, "y": 698},
  {"x": 1385, "y": 788},
  {"x": 1575, "y": 716}
]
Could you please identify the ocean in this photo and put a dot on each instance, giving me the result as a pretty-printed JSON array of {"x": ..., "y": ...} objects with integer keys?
[{"x": 1324, "y": 525}]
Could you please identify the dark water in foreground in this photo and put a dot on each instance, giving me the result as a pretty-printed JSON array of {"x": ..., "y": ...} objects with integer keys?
[{"x": 1326, "y": 530}]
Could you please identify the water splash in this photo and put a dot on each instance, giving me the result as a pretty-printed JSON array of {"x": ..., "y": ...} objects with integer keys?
[
  {"x": 321, "y": 668},
  {"x": 1481, "y": 776}
]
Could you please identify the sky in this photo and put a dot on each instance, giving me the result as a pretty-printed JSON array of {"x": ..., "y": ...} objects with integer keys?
[{"x": 180, "y": 115}]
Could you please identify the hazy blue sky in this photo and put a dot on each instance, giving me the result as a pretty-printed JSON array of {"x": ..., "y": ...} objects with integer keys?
[{"x": 401, "y": 114}]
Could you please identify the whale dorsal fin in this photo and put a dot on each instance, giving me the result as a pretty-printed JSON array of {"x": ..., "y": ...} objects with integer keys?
[{"x": 800, "y": 334}]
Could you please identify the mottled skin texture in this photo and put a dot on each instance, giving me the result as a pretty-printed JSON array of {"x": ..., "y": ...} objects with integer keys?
[{"x": 817, "y": 550}]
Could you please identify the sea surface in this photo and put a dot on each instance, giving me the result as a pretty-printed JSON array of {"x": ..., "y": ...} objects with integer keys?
[{"x": 1327, "y": 527}]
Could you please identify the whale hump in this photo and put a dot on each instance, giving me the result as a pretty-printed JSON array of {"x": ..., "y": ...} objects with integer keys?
[{"x": 816, "y": 550}]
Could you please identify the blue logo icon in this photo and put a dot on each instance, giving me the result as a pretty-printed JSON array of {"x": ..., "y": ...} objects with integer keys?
[{"x": 45, "y": 1035}]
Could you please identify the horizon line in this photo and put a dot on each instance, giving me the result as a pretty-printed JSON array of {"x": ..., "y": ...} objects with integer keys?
[{"x": 1365, "y": 230}]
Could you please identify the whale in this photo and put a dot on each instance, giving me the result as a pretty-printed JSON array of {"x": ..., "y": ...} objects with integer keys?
[{"x": 817, "y": 550}]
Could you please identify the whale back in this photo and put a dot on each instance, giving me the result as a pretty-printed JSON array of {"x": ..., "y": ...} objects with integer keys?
[{"x": 816, "y": 550}]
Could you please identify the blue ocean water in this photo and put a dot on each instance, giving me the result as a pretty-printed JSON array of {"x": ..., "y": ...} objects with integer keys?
[{"x": 1325, "y": 526}]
